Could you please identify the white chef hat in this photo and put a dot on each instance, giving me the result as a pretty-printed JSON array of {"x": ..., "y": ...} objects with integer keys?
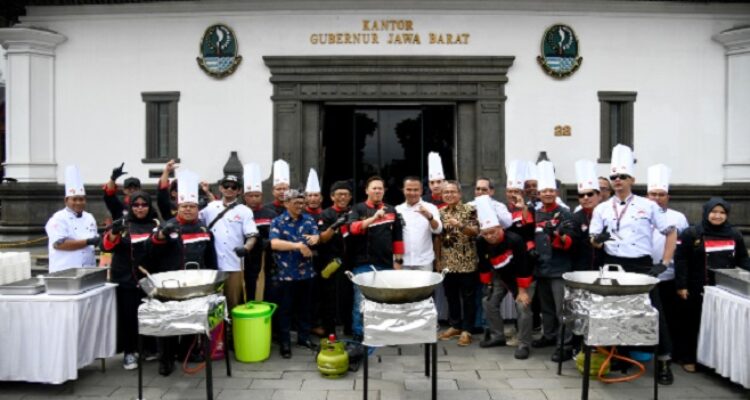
[
  {"x": 622, "y": 160},
  {"x": 586, "y": 176},
  {"x": 516, "y": 172},
  {"x": 546, "y": 172},
  {"x": 73, "y": 182},
  {"x": 187, "y": 186},
  {"x": 434, "y": 166},
  {"x": 532, "y": 172},
  {"x": 485, "y": 213},
  {"x": 313, "y": 185},
  {"x": 251, "y": 177},
  {"x": 658, "y": 177},
  {"x": 280, "y": 172}
]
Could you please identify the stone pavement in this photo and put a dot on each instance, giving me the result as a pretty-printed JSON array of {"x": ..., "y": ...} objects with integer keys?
[{"x": 469, "y": 373}]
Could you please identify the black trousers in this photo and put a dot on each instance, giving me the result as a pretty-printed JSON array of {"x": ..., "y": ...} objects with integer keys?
[
  {"x": 295, "y": 301},
  {"x": 460, "y": 289},
  {"x": 688, "y": 326},
  {"x": 642, "y": 265},
  {"x": 128, "y": 300}
]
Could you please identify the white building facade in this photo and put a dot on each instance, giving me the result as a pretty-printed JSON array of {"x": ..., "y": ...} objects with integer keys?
[{"x": 78, "y": 78}]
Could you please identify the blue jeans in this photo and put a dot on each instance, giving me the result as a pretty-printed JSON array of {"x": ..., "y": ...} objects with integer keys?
[{"x": 357, "y": 328}]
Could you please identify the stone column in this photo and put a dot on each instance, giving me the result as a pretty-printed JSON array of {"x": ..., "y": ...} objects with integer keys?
[
  {"x": 737, "y": 162},
  {"x": 30, "y": 112}
]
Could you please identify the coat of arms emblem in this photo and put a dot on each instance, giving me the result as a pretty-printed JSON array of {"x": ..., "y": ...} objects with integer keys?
[
  {"x": 219, "y": 51},
  {"x": 559, "y": 51}
]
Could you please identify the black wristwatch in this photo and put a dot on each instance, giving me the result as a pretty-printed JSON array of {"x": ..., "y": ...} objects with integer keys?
[{"x": 398, "y": 260}]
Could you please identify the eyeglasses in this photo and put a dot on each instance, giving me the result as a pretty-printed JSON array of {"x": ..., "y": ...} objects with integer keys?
[
  {"x": 482, "y": 189},
  {"x": 589, "y": 194},
  {"x": 140, "y": 205},
  {"x": 621, "y": 177},
  {"x": 229, "y": 186}
]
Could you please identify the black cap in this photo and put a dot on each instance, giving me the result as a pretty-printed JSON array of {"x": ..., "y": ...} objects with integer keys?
[{"x": 132, "y": 182}]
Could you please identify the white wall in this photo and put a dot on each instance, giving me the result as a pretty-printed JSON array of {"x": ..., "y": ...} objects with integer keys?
[{"x": 670, "y": 60}]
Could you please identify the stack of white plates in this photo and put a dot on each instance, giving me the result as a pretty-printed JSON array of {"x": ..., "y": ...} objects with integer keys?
[{"x": 14, "y": 266}]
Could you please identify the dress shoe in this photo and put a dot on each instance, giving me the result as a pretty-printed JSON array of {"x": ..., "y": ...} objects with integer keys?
[
  {"x": 464, "y": 339},
  {"x": 286, "y": 350},
  {"x": 543, "y": 342},
  {"x": 565, "y": 355},
  {"x": 665, "y": 376},
  {"x": 449, "y": 333},
  {"x": 166, "y": 368},
  {"x": 492, "y": 342},
  {"x": 522, "y": 353},
  {"x": 307, "y": 343}
]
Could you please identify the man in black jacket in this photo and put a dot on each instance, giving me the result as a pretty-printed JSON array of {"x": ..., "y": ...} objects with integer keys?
[
  {"x": 376, "y": 240},
  {"x": 116, "y": 207}
]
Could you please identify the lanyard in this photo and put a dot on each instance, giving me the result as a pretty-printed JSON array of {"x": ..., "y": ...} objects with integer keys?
[{"x": 619, "y": 216}]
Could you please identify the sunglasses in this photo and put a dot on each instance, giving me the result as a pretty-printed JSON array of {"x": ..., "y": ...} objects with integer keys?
[
  {"x": 621, "y": 177},
  {"x": 229, "y": 186},
  {"x": 589, "y": 194},
  {"x": 140, "y": 205}
]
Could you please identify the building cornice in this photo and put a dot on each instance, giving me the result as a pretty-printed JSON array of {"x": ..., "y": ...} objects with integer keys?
[
  {"x": 734, "y": 10},
  {"x": 736, "y": 41}
]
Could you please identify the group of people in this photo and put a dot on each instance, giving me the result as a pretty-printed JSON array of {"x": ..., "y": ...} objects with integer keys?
[{"x": 293, "y": 252}]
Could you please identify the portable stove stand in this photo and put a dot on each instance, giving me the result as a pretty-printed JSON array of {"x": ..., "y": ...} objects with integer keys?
[
  {"x": 401, "y": 324},
  {"x": 187, "y": 317},
  {"x": 610, "y": 321}
]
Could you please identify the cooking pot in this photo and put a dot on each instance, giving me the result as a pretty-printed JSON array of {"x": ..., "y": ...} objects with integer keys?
[
  {"x": 183, "y": 284},
  {"x": 397, "y": 286},
  {"x": 610, "y": 283}
]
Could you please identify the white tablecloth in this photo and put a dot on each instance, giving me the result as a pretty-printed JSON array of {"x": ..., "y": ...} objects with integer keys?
[
  {"x": 47, "y": 338},
  {"x": 725, "y": 333}
]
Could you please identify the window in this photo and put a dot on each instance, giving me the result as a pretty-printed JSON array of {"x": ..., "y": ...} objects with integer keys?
[
  {"x": 161, "y": 126},
  {"x": 616, "y": 113}
]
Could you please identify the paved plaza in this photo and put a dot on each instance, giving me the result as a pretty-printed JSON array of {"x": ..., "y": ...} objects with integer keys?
[{"x": 469, "y": 373}]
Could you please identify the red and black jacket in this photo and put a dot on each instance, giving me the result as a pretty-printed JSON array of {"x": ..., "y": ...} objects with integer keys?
[
  {"x": 378, "y": 242},
  {"x": 130, "y": 250},
  {"x": 336, "y": 247},
  {"x": 506, "y": 260},
  {"x": 263, "y": 217},
  {"x": 276, "y": 206},
  {"x": 523, "y": 227},
  {"x": 699, "y": 253},
  {"x": 437, "y": 201},
  {"x": 115, "y": 206},
  {"x": 193, "y": 243},
  {"x": 585, "y": 256},
  {"x": 554, "y": 249}
]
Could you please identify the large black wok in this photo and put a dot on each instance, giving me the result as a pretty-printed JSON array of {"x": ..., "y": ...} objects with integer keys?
[
  {"x": 183, "y": 284},
  {"x": 610, "y": 283},
  {"x": 397, "y": 286}
]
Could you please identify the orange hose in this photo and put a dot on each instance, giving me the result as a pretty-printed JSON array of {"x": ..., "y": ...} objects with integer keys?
[
  {"x": 199, "y": 367},
  {"x": 613, "y": 354}
]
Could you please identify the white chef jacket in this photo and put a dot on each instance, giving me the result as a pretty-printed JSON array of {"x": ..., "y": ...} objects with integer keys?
[
  {"x": 65, "y": 224},
  {"x": 501, "y": 210},
  {"x": 678, "y": 220},
  {"x": 231, "y": 231},
  {"x": 418, "y": 233},
  {"x": 639, "y": 218}
]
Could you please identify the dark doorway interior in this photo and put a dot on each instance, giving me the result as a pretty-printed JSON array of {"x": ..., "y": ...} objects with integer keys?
[{"x": 393, "y": 142}]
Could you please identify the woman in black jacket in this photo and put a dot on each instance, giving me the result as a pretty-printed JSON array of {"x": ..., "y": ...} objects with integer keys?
[
  {"x": 128, "y": 240},
  {"x": 712, "y": 244}
]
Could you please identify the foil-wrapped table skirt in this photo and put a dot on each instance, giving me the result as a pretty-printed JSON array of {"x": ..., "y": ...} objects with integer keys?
[
  {"x": 172, "y": 318},
  {"x": 612, "y": 320},
  {"x": 397, "y": 324}
]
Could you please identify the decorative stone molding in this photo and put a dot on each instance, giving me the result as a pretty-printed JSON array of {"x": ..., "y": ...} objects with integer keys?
[
  {"x": 736, "y": 40},
  {"x": 476, "y": 84}
]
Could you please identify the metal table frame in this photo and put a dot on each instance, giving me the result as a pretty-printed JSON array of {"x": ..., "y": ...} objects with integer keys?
[
  {"x": 207, "y": 352},
  {"x": 430, "y": 368}
]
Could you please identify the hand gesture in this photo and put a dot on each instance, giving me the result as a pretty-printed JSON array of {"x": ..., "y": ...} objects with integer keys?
[
  {"x": 170, "y": 166},
  {"x": 425, "y": 212},
  {"x": 518, "y": 201},
  {"x": 603, "y": 237},
  {"x": 339, "y": 222},
  {"x": 117, "y": 172},
  {"x": 169, "y": 228},
  {"x": 118, "y": 226},
  {"x": 380, "y": 213}
]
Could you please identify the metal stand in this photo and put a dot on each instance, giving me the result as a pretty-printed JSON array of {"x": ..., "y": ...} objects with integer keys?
[
  {"x": 587, "y": 367},
  {"x": 209, "y": 369},
  {"x": 428, "y": 347}
]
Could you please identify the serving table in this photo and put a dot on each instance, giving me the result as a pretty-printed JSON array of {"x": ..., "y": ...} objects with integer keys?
[{"x": 46, "y": 338}]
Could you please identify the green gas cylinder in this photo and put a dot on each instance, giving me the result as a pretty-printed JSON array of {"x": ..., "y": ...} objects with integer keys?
[{"x": 333, "y": 361}]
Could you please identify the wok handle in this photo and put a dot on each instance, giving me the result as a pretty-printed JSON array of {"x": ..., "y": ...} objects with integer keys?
[
  {"x": 444, "y": 271},
  {"x": 608, "y": 267},
  {"x": 170, "y": 280},
  {"x": 192, "y": 263},
  {"x": 349, "y": 275},
  {"x": 613, "y": 282}
]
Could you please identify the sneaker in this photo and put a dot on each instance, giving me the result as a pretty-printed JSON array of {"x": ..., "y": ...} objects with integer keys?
[
  {"x": 130, "y": 361},
  {"x": 449, "y": 334},
  {"x": 522, "y": 353},
  {"x": 543, "y": 342},
  {"x": 464, "y": 339},
  {"x": 665, "y": 376}
]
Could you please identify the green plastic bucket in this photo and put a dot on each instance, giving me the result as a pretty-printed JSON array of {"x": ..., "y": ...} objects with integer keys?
[{"x": 251, "y": 326}]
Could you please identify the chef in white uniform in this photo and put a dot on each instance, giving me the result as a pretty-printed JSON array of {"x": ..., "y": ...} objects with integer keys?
[
  {"x": 72, "y": 231},
  {"x": 625, "y": 225}
]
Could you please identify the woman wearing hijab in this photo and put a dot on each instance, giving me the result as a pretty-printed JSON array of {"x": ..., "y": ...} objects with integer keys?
[
  {"x": 712, "y": 244},
  {"x": 127, "y": 240}
]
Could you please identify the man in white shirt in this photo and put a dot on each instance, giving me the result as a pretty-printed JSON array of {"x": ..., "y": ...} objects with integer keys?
[
  {"x": 72, "y": 231},
  {"x": 624, "y": 226},
  {"x": 234, "y": 231},
  {"x": 421, "y": 220}
]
